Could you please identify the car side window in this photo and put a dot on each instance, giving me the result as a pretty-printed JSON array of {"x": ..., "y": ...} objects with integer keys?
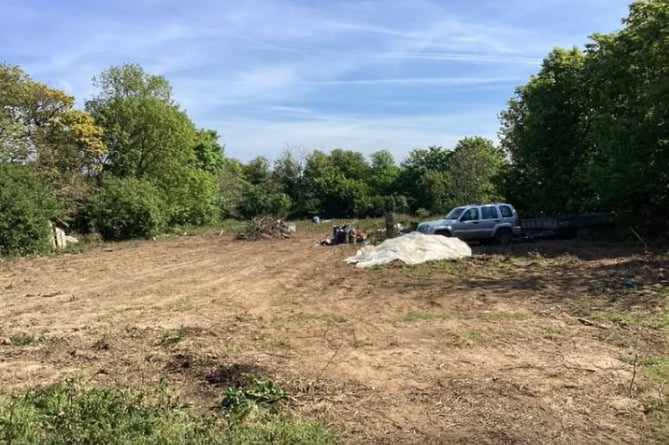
[
  {"x": 488, "y": 213},
  {"x": 470, "y": 215},
  {"x": 506, "y": 211}
]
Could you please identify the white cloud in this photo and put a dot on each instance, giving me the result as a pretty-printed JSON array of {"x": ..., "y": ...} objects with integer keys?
[{"x": 262, "y": 72}]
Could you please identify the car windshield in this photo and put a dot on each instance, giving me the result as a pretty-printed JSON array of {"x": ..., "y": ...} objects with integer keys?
[{"x": 455, "y": 213}]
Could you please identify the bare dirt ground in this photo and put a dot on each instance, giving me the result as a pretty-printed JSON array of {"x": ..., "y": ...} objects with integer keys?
[{"x": 488, "y": 350}]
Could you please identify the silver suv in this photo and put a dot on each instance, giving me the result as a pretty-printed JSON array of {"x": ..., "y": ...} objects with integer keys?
[{"x": 498, "y": 222}]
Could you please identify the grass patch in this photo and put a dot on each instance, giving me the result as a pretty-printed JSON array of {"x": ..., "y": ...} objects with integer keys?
[
  {"x": 70, "y": 413},
  {"x": 303, "y": 317},
  {"x": 25, "y": 339},
  {"x": 475, "y": 337},
  {"x": 615, "y": 317},
  {"x": 172, "y": 337},
  {"x": 659, "y": 320},
  {"x": 421, "y": 316},
  {"x": 506, "y": 316},
  {"x": 657, "y": 370},
  {"x": 552, "y": 332},
  {"x": 425, "y": 271}
]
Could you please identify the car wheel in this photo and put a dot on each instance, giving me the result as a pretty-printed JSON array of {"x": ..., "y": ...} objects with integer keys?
[
  {"x": 443, "y": 233},
  {"x": 503, "y": 237}
]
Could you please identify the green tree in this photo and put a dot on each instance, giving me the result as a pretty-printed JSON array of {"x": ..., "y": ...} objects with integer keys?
[
  {"x": 26, "y": 207},
  {"x": 208, "y": 152},
  {"x": 628, "y": 88},
  {"x": 148, "y": 136},
  {"x": 126, "y": 208},
  {"x": 543, "y": 134},
  {"x": 38, "y": 126},
  {"x": 473, "y": 170},
  {"x": 382, "y": 182},
  {"x": 424, "y": 179}
]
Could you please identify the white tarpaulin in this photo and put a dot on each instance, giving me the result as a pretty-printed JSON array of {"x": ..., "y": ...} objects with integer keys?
[{"x": 413, "y": 248}]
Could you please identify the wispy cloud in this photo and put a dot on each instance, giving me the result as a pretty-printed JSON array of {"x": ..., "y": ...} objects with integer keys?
[{"x": 362, "y": 74}]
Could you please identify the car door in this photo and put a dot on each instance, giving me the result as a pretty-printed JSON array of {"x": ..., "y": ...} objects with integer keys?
[
  {"x": 489, "y": 219},
  {"x": 467, "y": 226}
]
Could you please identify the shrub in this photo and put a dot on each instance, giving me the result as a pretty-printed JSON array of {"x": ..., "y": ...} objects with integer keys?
[
  {"x": 257, "y": 201},
  {"x": 193, "y": 197},
  {"x": 128, "y": 208},
  {"x": 423, "y": 213},
  {"x": 26, "y": 206}
]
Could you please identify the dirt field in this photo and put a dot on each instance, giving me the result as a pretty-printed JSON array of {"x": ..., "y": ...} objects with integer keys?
[{"x": 488, "y": 350}]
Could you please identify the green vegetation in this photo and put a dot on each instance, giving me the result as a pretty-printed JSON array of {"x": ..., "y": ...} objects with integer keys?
[
  {"x": 125, "y": 208},
  {"x": 26, "y": 207},
  {"x": 303, "y": 317},
  {"x": 70, "y": 413},
  {"x": 505, "y": 316},
  {"x": 25, "y": 339},
  {"x": 171, "y": 337},
  {"x": 588, "y": 131},
  {"x": 553, "y": 332},
  {"x": 421, "y": 316}
]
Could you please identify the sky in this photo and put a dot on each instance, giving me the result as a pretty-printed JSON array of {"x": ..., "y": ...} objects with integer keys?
[{"x": 268, "y": 75}]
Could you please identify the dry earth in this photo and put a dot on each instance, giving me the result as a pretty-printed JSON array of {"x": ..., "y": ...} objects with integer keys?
[{"x": 488, "y": 350}]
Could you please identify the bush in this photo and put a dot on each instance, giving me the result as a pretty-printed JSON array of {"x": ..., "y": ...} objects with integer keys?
[
  {"x": 257, "y": 201},
  {"x": 26, "y": 206},
  {"x": 423, "y": 213},
  {"x": 128, "y": 208},
  {"x": 193, "y": 197}
]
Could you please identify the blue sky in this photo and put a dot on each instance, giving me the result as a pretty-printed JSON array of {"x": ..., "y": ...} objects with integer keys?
[{"x": 267, "y": 74}]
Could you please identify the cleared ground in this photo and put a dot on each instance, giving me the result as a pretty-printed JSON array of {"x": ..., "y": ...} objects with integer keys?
[{"x": 536, "y": 343}]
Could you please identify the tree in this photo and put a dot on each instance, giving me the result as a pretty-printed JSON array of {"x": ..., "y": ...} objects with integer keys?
[
  {"x": 148, "y": 136},
  {"x": 628, "y": 87},
  {"x": 258, "y": 171},
  {"x": 543, "y": 134},
  {"x": 423, "y": 179},
  {"x": 472, "y": 172},
  {"x": 26, "y": 207},
  {"x": 38, "y": 126},
  {"x": 126, "y": 208},
  {"x": 208, "y": 152}
]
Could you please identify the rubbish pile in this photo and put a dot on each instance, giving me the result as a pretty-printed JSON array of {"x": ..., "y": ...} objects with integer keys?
[
  {"x": 413, "y": 248},
  {"x": 267, "y": 227},
  {"x": 346, "y": 234}
]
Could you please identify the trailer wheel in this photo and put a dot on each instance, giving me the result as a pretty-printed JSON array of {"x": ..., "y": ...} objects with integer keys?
[{"x": 503, "y": 236}]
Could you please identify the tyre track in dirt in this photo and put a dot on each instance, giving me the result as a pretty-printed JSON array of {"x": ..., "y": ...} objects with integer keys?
[{"x": 300, "y": 312}]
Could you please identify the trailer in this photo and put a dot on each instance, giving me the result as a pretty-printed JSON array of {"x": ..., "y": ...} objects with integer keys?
[{"x": 564, "y": 225}]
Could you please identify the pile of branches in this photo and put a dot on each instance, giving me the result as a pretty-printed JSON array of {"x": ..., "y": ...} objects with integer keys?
[{"x": 267, "y": 227}]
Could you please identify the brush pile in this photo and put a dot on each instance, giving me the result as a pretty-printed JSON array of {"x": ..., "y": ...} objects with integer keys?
[{"x": 267, "y": 227}]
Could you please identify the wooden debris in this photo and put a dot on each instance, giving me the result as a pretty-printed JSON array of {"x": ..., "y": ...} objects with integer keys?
[{"x": 267, "y": 227}]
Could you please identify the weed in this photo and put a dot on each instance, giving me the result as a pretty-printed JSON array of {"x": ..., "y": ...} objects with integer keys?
[
  {"x": 552, "y": 332},
  {"x": 242, "y": 403},
  {"x": 419, "y": 316},
  {"x": 657, "y": 369},
  {"x": 303, "y": 317},
  {"x": 506, "y": 316},
  {"x": 69, "y": 413},
  {"x": 475, "y": 337},
  {"x": 615, "y": 317},
  {"x": 425, "y": 271},
  {"x": 171, "y": 337},
  {"x": 25, "y": 339}
]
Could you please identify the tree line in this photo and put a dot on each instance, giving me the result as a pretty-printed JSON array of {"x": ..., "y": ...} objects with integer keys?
[
  {"x": 133, "y": 164},
  {"x": 588, "y": 132}
]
